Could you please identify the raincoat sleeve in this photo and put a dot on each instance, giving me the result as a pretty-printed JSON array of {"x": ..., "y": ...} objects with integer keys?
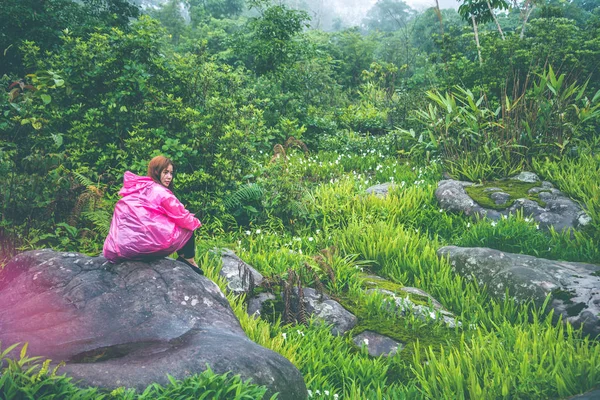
[{"x": 177, "y": 212}]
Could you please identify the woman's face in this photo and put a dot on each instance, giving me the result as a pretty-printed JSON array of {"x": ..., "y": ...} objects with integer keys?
[{"x": 166, "y": 176}]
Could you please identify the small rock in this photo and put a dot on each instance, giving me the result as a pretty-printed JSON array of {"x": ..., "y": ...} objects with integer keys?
[
  {"x": 255, "y": 304},
  {"x": 528, "y": 177},
  {"x": 500, "y": 197},
  {"x": 380, "y": 190},
  {"x": 377, "y": 344},
  {"x": 329, "y": 311},
  {"x": 237, "y": 273}
]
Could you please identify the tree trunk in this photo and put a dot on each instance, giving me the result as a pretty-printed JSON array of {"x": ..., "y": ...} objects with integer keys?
[
  {"x": 477, "y": 40},
  {"x": 438, "y": 12},
  {"x": 525, "y": 18},
  {"x": 495, "y": 19}
]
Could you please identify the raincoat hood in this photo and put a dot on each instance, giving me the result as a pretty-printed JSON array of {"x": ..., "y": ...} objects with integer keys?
[{"x": 133, "y": 183}]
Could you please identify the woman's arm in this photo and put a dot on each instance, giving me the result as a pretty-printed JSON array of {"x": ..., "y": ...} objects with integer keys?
[{"x": 177, "y": 212}]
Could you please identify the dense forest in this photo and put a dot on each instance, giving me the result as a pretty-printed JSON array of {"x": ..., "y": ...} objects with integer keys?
[{"x": 278, "y": 115}]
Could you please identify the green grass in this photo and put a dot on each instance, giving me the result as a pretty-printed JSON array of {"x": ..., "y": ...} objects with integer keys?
[{"x": 500, "y": 349}]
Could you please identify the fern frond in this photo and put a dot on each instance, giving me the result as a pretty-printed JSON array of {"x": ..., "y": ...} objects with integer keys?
[
  {"x": 83, "y": 180},
  {"x": 245, "y": 194},
  {"x": 101, "y": 220}
]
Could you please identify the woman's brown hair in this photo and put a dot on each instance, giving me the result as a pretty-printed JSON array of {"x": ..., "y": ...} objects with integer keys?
[{"x": 156, "y": 166}]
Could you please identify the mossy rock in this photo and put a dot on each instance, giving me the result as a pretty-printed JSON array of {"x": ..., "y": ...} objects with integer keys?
[
  {"x": 408, "y": 335},
  {"x": 481, "y": 194},
  {"x": 376, "y": 282}
]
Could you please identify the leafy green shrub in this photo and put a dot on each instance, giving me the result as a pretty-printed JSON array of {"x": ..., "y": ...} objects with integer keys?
[{"x": 481, "y": 143}]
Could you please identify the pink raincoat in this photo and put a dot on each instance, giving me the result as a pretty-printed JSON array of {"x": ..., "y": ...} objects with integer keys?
[{"x": 148, "y": 221}]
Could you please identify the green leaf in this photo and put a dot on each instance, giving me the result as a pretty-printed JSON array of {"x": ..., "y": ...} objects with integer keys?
[{"x": 46, "y": 98}]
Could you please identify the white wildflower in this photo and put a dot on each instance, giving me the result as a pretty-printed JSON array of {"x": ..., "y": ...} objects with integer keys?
[
  {"x": 310, "y": 239},
  {"x": 284, "y": 335},
  {"x": 248, "y": 233},
  {"x": 366, "y": 341},
  {"x": 493, "y": 223},
  {"x": 326, "y": 392},
  {"x": 309, "y": 393},
  {"x": 258, "y": 231},
  {"x": 318, "y": 231},
  {"x": 300, "y": 332}
]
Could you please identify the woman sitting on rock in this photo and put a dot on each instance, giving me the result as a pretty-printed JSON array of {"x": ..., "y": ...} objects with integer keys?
[{"x": 149, "y": 222}]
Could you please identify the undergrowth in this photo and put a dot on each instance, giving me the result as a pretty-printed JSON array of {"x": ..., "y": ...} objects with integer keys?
[{"x": 497, "y": 349}]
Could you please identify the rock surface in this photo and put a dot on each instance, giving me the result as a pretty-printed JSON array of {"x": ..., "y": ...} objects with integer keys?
[
  {"x": 559, "y": 212},
  {"x": 131, "y": 324},
  {"x": 327, "y": 310},
  {"x": 377, "y": 344},
  {"x": 380, "y": 190},
  {"x": 575, "y": 287},
  {"x": 403, "y": 304},
  {"x": 591, "y": 395},
  {"x": 255, "y": 304},
  {"x": 240, "y": 276}
]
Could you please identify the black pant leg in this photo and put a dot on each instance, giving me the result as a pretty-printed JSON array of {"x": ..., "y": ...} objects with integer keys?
[{"x": 189, "y": 248}]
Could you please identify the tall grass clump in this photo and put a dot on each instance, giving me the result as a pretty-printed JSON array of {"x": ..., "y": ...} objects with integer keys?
[
  {"x": 536, "y": 360},
  {"x": 522, "y": 235},
  {"x": 408, "y": 257}
]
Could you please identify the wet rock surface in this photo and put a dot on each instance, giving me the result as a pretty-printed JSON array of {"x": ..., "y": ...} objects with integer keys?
[
  {"x": 575, "y": 287},
  {"x": 131, "y": 324}
]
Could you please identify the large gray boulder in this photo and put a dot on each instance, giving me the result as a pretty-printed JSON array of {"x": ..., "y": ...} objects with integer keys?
[
  {"x": 559, "y": 211},
  {"x": 575, "y": 287},
  {"x": 131, "y": 324}
]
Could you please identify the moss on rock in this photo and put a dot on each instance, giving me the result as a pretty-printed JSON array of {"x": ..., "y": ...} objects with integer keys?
[{"x": 516, "y": 189}]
